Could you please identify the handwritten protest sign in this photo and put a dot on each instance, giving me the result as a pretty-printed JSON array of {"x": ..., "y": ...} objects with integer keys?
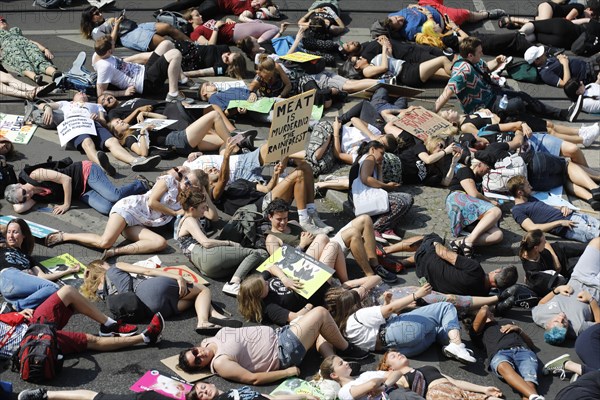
[
  {"x": 298, "y": 265},
  {"x": 421, "y": 123},
  {"x": 12, "y": 128},
  {"x": 300, "y": 57},
  {"x": 158, "y": 124},
  {"x": 74, "y": 126},
  {"x": 289, "y": 129}
]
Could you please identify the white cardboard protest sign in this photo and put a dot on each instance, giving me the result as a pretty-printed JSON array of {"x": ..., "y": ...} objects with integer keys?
[
  {"x": 421, "y": 122},
  {"x": 289, "y": 129},
  {"x": 74, "y": 126}
]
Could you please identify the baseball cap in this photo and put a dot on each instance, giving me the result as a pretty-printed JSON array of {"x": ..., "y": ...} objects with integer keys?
[{"x": 533, "y": 53}]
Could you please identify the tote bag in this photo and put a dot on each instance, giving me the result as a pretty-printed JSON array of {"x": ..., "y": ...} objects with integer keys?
[{"x": 368, "y": 200}]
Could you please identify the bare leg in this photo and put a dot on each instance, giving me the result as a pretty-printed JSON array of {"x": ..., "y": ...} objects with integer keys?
[
  {"x": 574, "y": 367},
  {"x": 544, "y": 11},
  {"x": 486, "y": 224},
  {"x": 572, "y": 151},
  {"x": 114, "y": 227},
  {"x": 337, "y": 184},
  {"x": 199, "y": 296},
  {"x": 516, "y": 381},
  {"x": 89, "y": 148},
  {"x": 118, "y": 151},
  {"x": 352, "y": 85},
  {"x": 318, "y": 321},
  {"x": 404, "y": 245},
  {"x": 476, "y": 16},
  {"x": 578, "y": 176},
  {"x": 430, "y": 67},
  {"x": 50, "y": 70},
  {"x": 196, "y": 132},
  {"x": 529, "y": 31},
  {"x": 71, "y": 395},
  {"x": 165, "y": 29},
  {"x": 173, "y": 56},
  {"x": 143, "y": 240},
  {"x": 97, "y": 343},
  {"x": 73, "y": 299}
]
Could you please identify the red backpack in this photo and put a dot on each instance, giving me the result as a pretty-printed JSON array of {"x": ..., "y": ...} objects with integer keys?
[{"x": 39, "y": 357}]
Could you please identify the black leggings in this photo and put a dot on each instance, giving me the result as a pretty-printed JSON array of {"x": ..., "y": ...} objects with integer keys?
[
  {"x": 509, "y": 44},
  {"x": 557, "y": 32},
  {"x": 209, "y": 9},
  {"x": 366, "y": 112}
]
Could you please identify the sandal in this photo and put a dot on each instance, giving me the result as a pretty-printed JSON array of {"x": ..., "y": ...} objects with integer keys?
[
  {"x": 208, "y": 330},
  {"x": 106, "y": 254},
  {"x": 53, "y": 239},
  {"x": 456, "y": 247},
  {"x": 230, "y": 323},
  {"x": 506, "y": 22},
  {"x": 466, "y": 250},
  {"x": 42, "y": 91}
]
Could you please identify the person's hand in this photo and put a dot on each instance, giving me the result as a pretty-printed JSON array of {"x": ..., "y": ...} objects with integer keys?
[
  {"x": 306, "y": 238},
  {"x": 183, "y": 289},
  {"x": 48, "y": 54},
  {"x": 119, "y": 19},
  {"x": 74, "y": 268},
  {"x": 292, "y": 284},
  {"x": 565, "y": 290},
  {"x": 584, "y": 296},
  {"x": 567, "y": 223},
  {"x": 337, "y": 124},
  {"x": 500, "y": 59},
  {"x": 391, "y": 186},
  {"x": 241, "y": 110},
  {"x": 566, "y": 211},
  {"x": 493, "y": 391},
  {"x": 293, "y": 371},
  {"x": 527, "y": 131},
  {"x": 509, "y": 328},
  {"x": 27, "y": 313},
  {"x": 423, "y": 291},
  {"x": 58, "y": 210},
  {"x": 279, "y": 168},
  {"x": 130, "y": 91},
  {"x": 47, "y": 118},
  {"x": 140, "y": 117},
  {"x": 451, "y": 148},
  {"x": 563, "y": 59},
  {"x": 284, "y": 26},
  {"x": 234, "y": 244},
  {"x": 456, "y": 156},
  {"x": 229, "y": 147},
  {"x": 219, "y": 24},
  {"x": 192, "y": 156},
  {"x": 142, "y": 109},
  {"x": 494, "y": 202},
  {"x": 252, "y": 98},
  {"x": 387, "y": 297}
]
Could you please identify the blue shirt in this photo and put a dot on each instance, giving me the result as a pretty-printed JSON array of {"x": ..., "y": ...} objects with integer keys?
[{"x": 415, "y": 20}]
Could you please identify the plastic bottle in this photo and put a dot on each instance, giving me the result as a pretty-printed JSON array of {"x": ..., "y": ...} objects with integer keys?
[{"x": 503, "y": 103}]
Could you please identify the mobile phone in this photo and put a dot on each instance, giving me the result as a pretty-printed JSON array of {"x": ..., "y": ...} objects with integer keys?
[{"x": 122, "y": 13}]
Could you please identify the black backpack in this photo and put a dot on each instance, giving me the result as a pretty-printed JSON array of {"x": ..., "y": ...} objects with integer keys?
[
  {"x": 39, "y": 357},
  {"x": 174, "y": 19},
  {"x": 243, "y": 228}
]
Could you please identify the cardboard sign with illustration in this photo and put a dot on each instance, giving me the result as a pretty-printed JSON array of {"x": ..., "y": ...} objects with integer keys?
[
  {"x": 155, "y": 382},
  {"x": 13, "y": 128},
  {"x": 62, "y": 263},
  {"x": 289, "y": 129},
  {"x": 421, "y": 123}
]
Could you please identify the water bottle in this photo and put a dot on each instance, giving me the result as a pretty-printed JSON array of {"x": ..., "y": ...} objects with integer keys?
[{"x": 503, "y": 103}]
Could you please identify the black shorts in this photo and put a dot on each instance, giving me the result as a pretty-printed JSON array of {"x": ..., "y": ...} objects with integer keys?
[
  {"x": 178, "y": 139},
  {"x": 102, "y": 135},
  {"x": 156, "y": 72},
  {"x": 409, "y": 75}
]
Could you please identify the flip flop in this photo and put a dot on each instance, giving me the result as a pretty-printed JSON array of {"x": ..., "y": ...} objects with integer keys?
[
  {"x": 53, "y": 239},
  {"x": 45, "y": 90},
  {"x": 208, "y": 330},
  {"x": 230, "y": 323}
]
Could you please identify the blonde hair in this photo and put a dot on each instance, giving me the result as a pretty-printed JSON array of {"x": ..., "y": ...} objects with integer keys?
[
  {"x": 92, "y": 278},
  {"x": 250, "y": 298},
  {"x": 265, "y": 63},
  {"x": 326, "y": 369},
  {"x": 429, "y": 36},
  {"x": 432, "y": 144}
]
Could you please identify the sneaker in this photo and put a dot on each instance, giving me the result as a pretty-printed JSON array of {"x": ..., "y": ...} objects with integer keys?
[
  {"x": 458, "y": 352},
  {"x": 148, "y": 184},
  {"x": 105, "y": 163},
  {"x": 380, "y": 238},
  {"x": 574, "y": 378},
  {"x": 386, "y": 276},
  {"x": 353, "y": 353},
  {"x": 140, "y": 164},
  {"x": 556, "y": 366},
  {"x": 574, "y": 109},
  {"x": 390, "y": 235},
  {"x": 33, "y": 394},
  {"x": 496, "y": 13},
  {"x": 153, "y": 331},
  {"x": 118, "y": 329},
  {"x": 174, "y": 99},
  {"x": 508, "y": 292},
  {"x": 316, "y": 220},
  {"x": 231, "y": 289},
  {"x": 589, "y": 134},
  {"x": 309, "y": 227},
  {"x": 536, "y": 397},
  {"x": 391, "y": 264}
]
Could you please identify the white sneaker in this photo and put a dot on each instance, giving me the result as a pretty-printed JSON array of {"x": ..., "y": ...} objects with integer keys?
[
  {"x": 536, "y": 397},
  {"x": 309, "y": 227},
  {"x": 231, "y": 289},
  {"x": 589, "y": 134},
  {"x": 316, "y": 220},
  {"x": 458, "y": 352}
]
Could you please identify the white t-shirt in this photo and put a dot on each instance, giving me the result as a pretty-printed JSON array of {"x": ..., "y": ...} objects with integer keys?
[
  {"x": 394, "y": 65},
  {"x": 344, "y": 393},
  {"x": 72, "y": 109},
  {"x": 113, "y": 70},
  {"x": 362, "y": 327},
  {"x": 352, "y": 137},
  {"x": 591, "y": 106},
  {"x": 213, "y": 161}
]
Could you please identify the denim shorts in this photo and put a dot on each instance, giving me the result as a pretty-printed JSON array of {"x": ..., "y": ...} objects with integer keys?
[
  {"x": 139, "y": 39},
  {"x": 586, "y": 228},
  {"x": 546, "y": 143},
  {"x": 178, "y": 139},
  {"x": 523, "y": 360},
  {"x": 291, "y": 349}
]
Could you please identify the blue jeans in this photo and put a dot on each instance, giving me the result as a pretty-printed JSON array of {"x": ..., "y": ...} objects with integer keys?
[
  {"x": 521, "y": 359},
  {"x": 101, "y": 194},
  {"x": 412, "y": 333},
  {"x": 587, "y": 228},
  {"x": 23, "y": 290}
]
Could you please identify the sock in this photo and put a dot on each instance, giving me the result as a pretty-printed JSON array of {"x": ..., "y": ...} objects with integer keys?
[
  {"x": 184, "y": 80},
  {"x": 174, "y": 94},
  {"x": 145, "y": 337},
  {"x": 303, "y": 214},
  {"x": 109, "y": 322},
  {"x": 310, "y": 207}
]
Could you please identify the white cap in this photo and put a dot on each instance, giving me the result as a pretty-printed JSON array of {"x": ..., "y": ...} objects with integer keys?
[{"x": 533, "y": 53}]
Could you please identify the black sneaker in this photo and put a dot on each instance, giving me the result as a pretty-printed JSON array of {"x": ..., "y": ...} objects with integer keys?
[
  {"x": 105, "y": 163},
  {"x": 33, "y": 394},
  {"x": 153, "y": 331},
  {"x": 574, "y": 109},
  {"x": 508, "y": 292},
  {"x": 386, "y": 276},
  {"x": 353, "y": 353},
  {"x": 148, "y": 184},
  {"x": 504, "y": 306}
]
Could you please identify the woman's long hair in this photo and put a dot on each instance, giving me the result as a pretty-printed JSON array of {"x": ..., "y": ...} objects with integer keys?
[
  {"x": 86, "y": 25},
  {"x": 191, "y": 197},
  {"x": 250, "y": 298},
  {"x": 237, "y": 68},
  {"x": 342, "y": 303},
  {"x": 428, "y": 36},
  {"x": 28, "y": 239},
  {"x": 365, "y": 147},
  {"x": 530, "y": 240},
  {"x": 92, "y": 277},
  {"x": 121, "y": 136}
]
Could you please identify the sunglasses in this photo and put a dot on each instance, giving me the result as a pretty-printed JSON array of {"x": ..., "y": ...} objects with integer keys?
[
  {"x": 23, "y": 194},
  {"x": 197, "y": 358}
]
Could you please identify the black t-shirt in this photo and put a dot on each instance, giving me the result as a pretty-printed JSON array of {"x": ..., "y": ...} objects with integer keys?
[
  {"x": 462, "y": 174},
  {"x": 280, "y": 301},
  {"x": 494, "y": 340},
  {"x": 56, "y": 193},
  {"x": 127, "y": 107},
  {"x": 370, "y": 50},
  {"x": 493, "y": 134},
  {"x": 539, "y": 281},
  {"x": 15, "y": 258},
  {"x": 239, "y": 193},
  {"x": 416, "y": 171}
]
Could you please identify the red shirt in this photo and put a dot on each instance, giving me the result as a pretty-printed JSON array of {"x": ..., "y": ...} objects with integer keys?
[
  {"x": 235, "y": 7},
  {"x": 224, "y": 36}
]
